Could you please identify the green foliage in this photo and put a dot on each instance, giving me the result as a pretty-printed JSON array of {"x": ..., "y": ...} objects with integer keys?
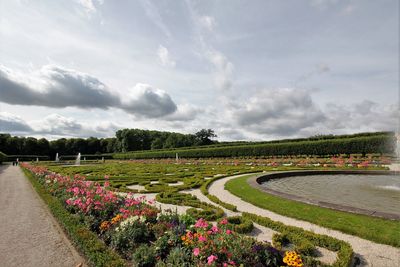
[
  {"x": 295, "y": 234},
  {"x": 94, "y": 250},
  {"x": 240, "y": 224},
  {"x": 199, "y": 210},
  {"x": 302, "y": 245},
  {"x": 144, "y": 256},
  {"x": 3, "y": 157},
  {"x": 132, "y": 235},
  {"x": 178, "y": 256},
  {"x": 382, "y": 143}
]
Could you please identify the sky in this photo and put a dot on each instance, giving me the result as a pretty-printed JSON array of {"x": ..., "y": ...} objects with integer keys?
[{"x": 249, "y": 70}]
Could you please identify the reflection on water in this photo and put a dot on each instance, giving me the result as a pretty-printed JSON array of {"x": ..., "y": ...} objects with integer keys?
[{"x": 371, "y": 192}]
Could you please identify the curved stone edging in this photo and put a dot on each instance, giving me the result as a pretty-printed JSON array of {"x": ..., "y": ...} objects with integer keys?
[{"x": 256, "y": 181}]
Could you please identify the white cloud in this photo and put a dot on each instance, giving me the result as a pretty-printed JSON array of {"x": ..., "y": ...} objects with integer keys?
[
  {"x": 184, "y": 112},
  {"x": 278, "y": 112},
  {"x": 207, "y": 22},
  {"x": 323, "y": 3},
  {"x": 13, "y": 123},
  {"x": 54, "y": 86},
  {"x": 58, "y": 87},
  {"x": 144, "y": 100},
  {"x": 347, "y": 10},
  {"x": 224, "y": 69},
  {"x": 164, "y": 57},
  {"x": 154, "y": 15}
]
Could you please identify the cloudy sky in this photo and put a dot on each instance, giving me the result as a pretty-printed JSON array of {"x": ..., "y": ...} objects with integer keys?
[{"x": 250, "y": 70}]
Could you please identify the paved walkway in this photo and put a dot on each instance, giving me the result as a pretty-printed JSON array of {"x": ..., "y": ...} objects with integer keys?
[
  {"x": 29, "y": 235},
  {"x": 370, "y": 253}
]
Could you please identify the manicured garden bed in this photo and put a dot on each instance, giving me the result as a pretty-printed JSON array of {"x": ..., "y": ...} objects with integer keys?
[{"x": 113, "y": 230}]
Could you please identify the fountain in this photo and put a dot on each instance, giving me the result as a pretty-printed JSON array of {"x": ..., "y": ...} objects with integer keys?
[
  {"x": 78, "y": 159},
  {"x": 57, "y": 158},
  {"x": 177, "y": 158},
  {"x": 395, "y": 166},
  {"x": 37, "y": 159}
]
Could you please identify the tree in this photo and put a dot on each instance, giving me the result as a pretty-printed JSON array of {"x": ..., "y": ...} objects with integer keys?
[{"x": 203, "y": 137}]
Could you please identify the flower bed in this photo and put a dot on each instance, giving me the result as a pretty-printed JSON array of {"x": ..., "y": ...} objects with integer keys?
[{"x": 140, "y": 233}]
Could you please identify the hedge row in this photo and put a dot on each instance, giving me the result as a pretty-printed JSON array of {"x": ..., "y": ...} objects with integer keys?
[
  {"x": 239, "y": 224},
  {"x": 295, "y": 234},
  {"x": 3, "y": 157},
  {"x": 356, "y": 145},
  {"x": 94, "y": 250},
  {"x": 241, "y": 143},
  {"x": 26, "y": 157},
  {"x": 199, "y": 210}
]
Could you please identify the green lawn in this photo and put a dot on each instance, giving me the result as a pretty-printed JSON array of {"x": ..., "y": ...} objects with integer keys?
[{"x": 371, "y": 228}]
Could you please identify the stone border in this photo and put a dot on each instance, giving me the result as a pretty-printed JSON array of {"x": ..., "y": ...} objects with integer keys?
[{"x": 256, "y": 181}]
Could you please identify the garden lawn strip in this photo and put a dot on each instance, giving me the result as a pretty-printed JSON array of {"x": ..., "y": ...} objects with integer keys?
[
  {"x": 29, "y": 234},
  {"x": 370, "y": 253}
]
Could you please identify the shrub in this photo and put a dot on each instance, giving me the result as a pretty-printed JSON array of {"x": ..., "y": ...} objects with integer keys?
[
  {"x": 3, "y": 157},
  {"x": 179, "y": 256},
  {"x": 343, "y": 249},
  {"x": 239, "y": 224},
  {"x": 126, "y": 239},
  {"x": 144, "y": 256}
]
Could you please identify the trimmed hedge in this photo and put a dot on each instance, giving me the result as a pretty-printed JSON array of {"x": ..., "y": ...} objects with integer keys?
[
  {"x": 94, "y": 250},
  {"x": 3, "y": 157},
  {"x": 239, "y": 224},
  {"x": 26, "y": 157},
  {"x": 382, "y": 143},
  {"x": 207, "y": 211},
  {"x": 295, "y": 234}
]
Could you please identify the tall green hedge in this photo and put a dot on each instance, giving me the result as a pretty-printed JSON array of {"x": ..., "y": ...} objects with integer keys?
[
  {"x": 3, "y": 157},
  {"x": 382, "y": 143}
]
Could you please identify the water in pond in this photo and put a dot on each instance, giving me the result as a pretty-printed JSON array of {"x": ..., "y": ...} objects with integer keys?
[{"x": 371, "y": 192}]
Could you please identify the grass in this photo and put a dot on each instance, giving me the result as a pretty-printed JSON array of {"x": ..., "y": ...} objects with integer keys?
[{"x": 371, "y": 228}]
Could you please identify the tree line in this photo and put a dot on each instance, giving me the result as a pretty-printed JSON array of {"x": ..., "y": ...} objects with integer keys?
[{"x": 125, "y": 140}]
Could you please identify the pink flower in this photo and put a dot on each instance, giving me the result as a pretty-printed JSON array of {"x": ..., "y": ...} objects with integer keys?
[
  {"x": 196, "y": 251},
  {"x": 224, "y": 221},
  {"x": 201, "y": 223},
  {"x": 202, "y": 239},
  {"x": 228, "y": 232},
  {"x": 214, "y": 229},
  {"x": 211, "y": 259},
  {"x": 75, "y": 190}
]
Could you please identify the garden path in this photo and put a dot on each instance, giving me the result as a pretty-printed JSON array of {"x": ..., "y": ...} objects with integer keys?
[
  {"x": 30, "y": 236},
  {"x": 370, "y": 253}
]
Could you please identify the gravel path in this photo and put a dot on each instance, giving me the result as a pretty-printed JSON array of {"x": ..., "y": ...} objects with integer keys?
[
  {"x": 30, "y": 236},
  {"x": 370, "y": 253}
]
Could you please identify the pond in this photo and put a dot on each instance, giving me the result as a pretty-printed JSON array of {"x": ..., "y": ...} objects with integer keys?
[{"x": 371, "y": 192}]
